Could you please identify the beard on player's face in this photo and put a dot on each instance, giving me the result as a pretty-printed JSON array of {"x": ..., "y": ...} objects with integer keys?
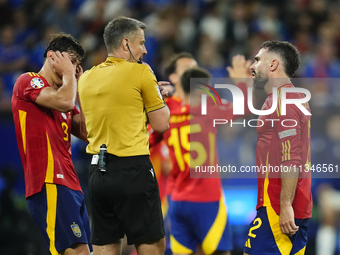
[{"x": 259, "y": 80}]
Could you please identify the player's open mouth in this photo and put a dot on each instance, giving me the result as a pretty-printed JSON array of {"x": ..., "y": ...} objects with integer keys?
[{"x": 253, "y": 74}]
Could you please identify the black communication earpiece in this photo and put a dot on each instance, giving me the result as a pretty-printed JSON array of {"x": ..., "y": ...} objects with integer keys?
[{"x": 138, "y": 61}]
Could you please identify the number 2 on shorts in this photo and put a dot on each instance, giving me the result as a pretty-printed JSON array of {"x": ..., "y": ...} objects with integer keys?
[{"x": 257, "y": 224}]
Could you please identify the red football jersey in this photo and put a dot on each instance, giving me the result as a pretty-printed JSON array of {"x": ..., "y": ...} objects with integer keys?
[
  {"x": 197, "y": 189},
  {"x": 282, "y": 143},
  {"x": 43, "y": 136},
  {"x": 192, "y": 140},
  {"x": 173, "y": 102}
]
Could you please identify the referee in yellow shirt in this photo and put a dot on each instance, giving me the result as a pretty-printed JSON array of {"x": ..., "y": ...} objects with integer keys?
[{"x": 119, "y": 97}]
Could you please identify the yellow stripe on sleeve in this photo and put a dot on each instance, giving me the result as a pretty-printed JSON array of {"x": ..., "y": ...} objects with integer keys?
[
  {"x": 22, "y": 120},
  {"x": 278, "y": 106},
  {"x": 34, "y": 74},
  {"x": 283, "y": 152},
  {"x": 51, "y": 197},
  {"x": 288, "y": 149}
]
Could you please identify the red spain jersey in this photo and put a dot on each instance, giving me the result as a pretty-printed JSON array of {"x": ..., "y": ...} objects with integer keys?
[
  {"x": 173, "y": 102},
  {"x": 180, "y": 137},
  {"x": 208, "y": 141},
  {"x": 43, "y": 137},
  {"x": 224, "y": 111},
  {"x": 284, "y": 140}
]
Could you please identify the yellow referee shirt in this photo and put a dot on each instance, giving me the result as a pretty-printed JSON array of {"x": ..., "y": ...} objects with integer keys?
[{"x": 115, "y": 97}]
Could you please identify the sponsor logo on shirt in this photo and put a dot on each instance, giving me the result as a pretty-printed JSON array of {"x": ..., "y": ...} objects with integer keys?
[{"x": 286, "y": 133}]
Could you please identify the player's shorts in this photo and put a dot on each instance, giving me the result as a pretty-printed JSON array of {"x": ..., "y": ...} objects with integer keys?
[
  {"x": 125, "y": 200},
  {"x": 265, "y": 235},
  {"x": 204, "y": 224},
  {"x": 61, "y": 216}
]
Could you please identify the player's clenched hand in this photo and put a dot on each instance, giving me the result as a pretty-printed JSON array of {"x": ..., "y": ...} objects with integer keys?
[
  {"x": 61, "y": 63},
  {"x": 239, "y": 71},
  {"x": 165, "y": 88},
  {"x": 287, "y": 223}
]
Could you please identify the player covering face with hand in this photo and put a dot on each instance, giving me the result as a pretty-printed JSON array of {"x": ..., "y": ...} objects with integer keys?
[{"x": 45, "y": 116}]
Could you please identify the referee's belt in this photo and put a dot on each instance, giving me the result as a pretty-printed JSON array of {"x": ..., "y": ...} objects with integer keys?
[{"x": 121, "y": 162}]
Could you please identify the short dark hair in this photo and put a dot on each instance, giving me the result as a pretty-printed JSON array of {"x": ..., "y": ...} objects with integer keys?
[
  {"x": 65, "y": 43},
  {"x": 119, "y": 28},
  {"x": 196, "y": 72},
  {"x": 288, "y": 53},
  {"x": 172, "y": 64}
]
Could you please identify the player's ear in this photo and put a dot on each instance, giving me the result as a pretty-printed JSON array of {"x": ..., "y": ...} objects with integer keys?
[
  {"x": 125, "y": 43},
  {"x": 49, "y": 53},
  {"x": 274, "y": 65},
  {"x": 173, "y": 78}
]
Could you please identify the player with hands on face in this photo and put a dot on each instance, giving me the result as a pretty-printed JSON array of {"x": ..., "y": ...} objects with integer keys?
[{"x": 45, "y": 116}]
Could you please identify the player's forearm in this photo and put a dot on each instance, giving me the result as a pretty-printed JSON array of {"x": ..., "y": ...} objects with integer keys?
[
  {"x": 79, "y": 125},
  {"x": 159, "y": 119},
  {"x": 289, "y": 180},
  {"x": 68, "y": 91}
]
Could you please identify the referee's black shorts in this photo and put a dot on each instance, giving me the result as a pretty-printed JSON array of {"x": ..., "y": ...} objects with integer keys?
[{"x": 125, "y": 200}]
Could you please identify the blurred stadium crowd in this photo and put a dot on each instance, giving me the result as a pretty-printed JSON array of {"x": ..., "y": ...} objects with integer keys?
[{"x": 212, "y": 30}]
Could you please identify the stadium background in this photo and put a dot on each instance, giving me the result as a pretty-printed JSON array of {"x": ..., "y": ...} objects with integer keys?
[{"x": 213, "y": 31}]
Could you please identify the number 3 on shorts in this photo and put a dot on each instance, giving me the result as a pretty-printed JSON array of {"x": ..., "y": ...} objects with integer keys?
[{"x": 257, "y": 223}]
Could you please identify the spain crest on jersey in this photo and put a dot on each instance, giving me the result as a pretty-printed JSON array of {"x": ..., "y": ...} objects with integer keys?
[{"x": 76, "y": 230}]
